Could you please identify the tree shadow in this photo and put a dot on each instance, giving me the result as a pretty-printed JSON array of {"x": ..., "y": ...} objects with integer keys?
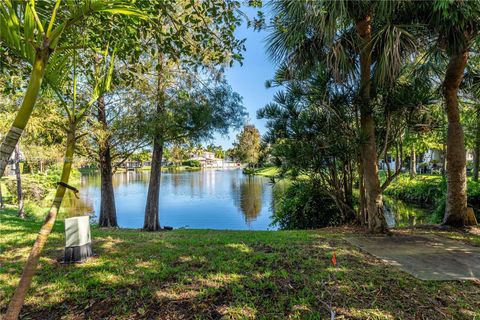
[{"x": 213, "y": 274}]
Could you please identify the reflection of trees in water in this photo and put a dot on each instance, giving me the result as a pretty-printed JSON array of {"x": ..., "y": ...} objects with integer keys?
[
  {"x": 118, "y": 179},
  {"x": 125, "y": 178},
  {"x": 176, "y": 180},
  {"x": 250, "y": 194}
]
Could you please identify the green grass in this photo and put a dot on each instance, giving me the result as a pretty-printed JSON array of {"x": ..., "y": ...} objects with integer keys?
[
  {"x": 206, "y": 274},
  {"x": 265, "y": 171}
]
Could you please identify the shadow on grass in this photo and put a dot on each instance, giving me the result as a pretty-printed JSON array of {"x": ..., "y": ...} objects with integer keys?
[{"x": 213, "y": 274}]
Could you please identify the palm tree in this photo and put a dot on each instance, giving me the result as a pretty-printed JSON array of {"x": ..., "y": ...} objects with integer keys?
[
  {"x": 75, "y": 114},
  {"x": 27, "y": 32},
  {"x": 352, "y": 38},
  {"x": 456, "y": 29},
  {"x": 471, "y": 89}
]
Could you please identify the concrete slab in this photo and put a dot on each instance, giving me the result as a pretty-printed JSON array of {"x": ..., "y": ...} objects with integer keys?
[{"x": 426, "y": 257}]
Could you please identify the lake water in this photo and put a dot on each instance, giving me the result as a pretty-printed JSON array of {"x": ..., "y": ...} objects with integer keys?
[{"x": 207, "y": 199}]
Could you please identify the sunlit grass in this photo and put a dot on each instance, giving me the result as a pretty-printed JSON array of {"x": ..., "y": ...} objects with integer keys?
[
  {"x": 267, "y": 171},
  {"x": 209, "y": 274}
]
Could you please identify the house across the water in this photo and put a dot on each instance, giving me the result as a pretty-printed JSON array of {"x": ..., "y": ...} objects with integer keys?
[{"x": 208, "y": 160}]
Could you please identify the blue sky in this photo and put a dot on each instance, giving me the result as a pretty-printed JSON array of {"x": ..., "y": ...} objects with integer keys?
[{"x": 249, "y": 80}]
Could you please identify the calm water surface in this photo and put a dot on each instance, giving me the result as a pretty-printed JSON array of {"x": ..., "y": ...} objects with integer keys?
[{"x": 208, "y": 199}]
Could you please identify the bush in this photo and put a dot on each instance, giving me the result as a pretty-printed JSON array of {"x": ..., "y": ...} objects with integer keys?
[
  {"x": 249, "y": 171},
  {"x": 37, "y": 186},
  {"x": 430, "y": 190},
  {"x": 304, "y": 206},
  {"x": 192, "y": 163},
  {"x": 423, "y": 189}
]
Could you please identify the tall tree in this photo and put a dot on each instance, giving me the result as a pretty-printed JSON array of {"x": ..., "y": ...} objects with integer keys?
[
  {"x": 190, "y": 111},
  {"x": 75, "y": 112},
  {"x": 193, "y": 34},
  {"x": 456, "y": 27},
  {"x": 471, "y": 90},
  {"x": 247, "y": 145},
  {"x": 361, "y": 42}
]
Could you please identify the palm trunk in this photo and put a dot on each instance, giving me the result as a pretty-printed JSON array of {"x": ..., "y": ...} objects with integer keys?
[
  {"x": 361, "y": 186},
  {"x": 30, "y": 267},
  {"x": 21, "y": 211},
  {"x": 348, "y": 184},
  {"x": 108, "y": 212},
  {"x": 476, "y": 148},
  {"x": 368, "y": 149},
  {"x": 1, "y": 196},
  {"x": 152, "y": 222},
  {"x": 476, "y": 155},
  {"x": 456, "y": 206},
  {"x": 23, "y": 114},
  {"x": 413, "y": 163}
]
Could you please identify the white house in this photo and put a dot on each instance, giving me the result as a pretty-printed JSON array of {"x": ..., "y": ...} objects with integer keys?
[
  {"x": 425, "y": 162},
  {"x": 208, "y": 160}
]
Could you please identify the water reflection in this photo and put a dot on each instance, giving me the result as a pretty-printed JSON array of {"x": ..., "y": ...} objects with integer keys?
[
  {"x": 250, "y": 199},
  {"x": 210, "y": 199},
  {"x": 401, "y": 214}
]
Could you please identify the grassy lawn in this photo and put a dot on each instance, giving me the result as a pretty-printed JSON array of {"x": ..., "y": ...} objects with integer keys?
[
  {"x": 267, "y": 171},
  {"x": 206, "y": 274}
]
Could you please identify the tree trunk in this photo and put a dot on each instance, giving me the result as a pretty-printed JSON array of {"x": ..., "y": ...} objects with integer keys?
[
  {"x": 152, "y": 222},
  {"x": 21, "y": 211},
  {"x": 368, "y": 149},
  {"x": 456, "y": 206},
  {"x": 1, "y": 196},
  {"x": 30, "y": 267},
  {"x": 23, "y": 114},
  {"x": 413, "y": 163},
  {"x": 476, "y": 155},
  {"x": 444, "y": 158},
  {"x": 476, "y": 148},
  {"x": 108, "y": 212},
  {"x": 348, "y": 184},
  {"x": 361, "y": 186}
]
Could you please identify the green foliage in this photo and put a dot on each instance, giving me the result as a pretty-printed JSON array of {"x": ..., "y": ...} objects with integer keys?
[
  {"x": 249, "y": 171},
  {"x": 38, "y": 186},
  {"x": 192, "y": 163},
  {"x": 304, "y": 207},
  {"x": 311, "y": 131},
  {"x": 247, "y": 145},
  {"x": 423, "y": 189},
  {"x": 430, "y": 190}
]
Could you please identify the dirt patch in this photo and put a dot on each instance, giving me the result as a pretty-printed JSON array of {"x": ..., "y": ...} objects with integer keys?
[{"x": 262, "y": 247}]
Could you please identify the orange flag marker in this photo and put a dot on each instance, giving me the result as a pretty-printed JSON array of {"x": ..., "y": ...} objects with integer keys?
[{"x": 334, "y": 259}]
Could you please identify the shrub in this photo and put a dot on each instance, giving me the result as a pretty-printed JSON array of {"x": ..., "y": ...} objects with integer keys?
[
  {"x": 304, "y": 206},
  {"x": 422, "y": 189},
  {"x": 248, "y": 171},
  {"x": 431, "y": 190},
  {"x": 192, "y": 163},
  {"x": 37, "y": 186}
]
